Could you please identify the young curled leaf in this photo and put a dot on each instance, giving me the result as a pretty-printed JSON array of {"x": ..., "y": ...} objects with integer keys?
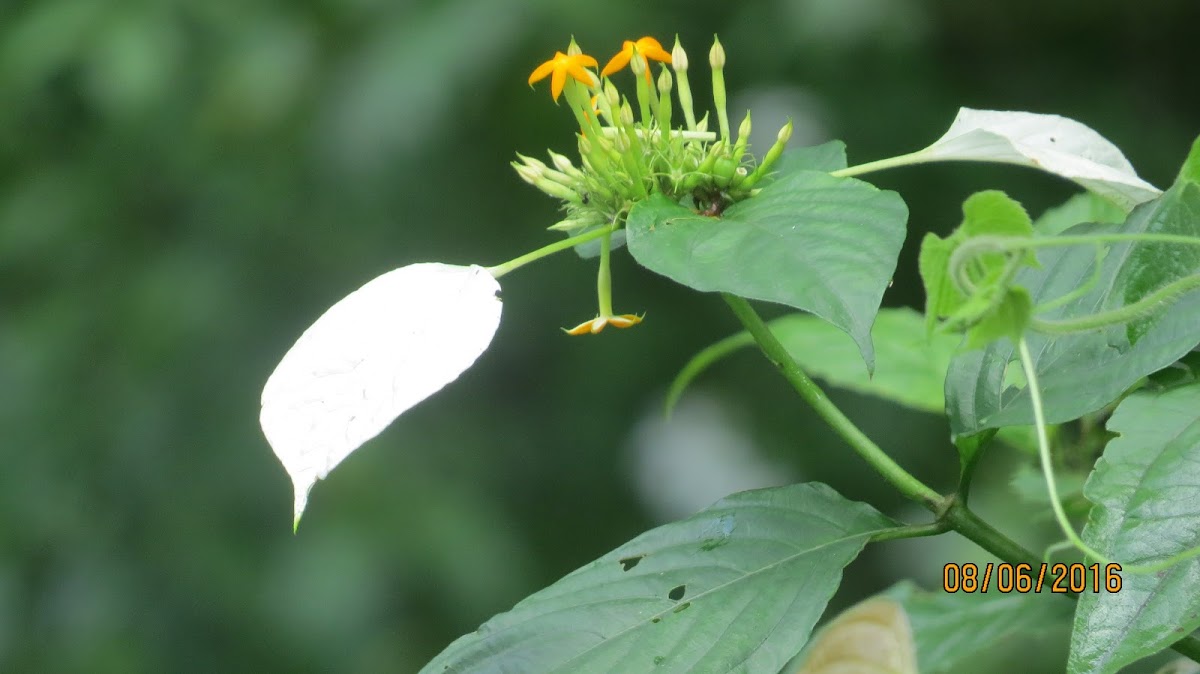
[{"x": 380, "y": 350}]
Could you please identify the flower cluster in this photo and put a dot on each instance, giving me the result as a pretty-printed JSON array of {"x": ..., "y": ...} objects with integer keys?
[{"x": 629, "y": 149}]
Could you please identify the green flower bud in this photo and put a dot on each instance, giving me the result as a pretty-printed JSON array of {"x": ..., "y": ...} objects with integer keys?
[
  {"x": 724, "y": 170},
  {"x": 679, "y": 59},
  {"x": 573, "y": 48},
  {"x": 563, "y": 164},
  {"x": 664, "y": 82},
  {"x": 743, "y": 138},
  {"x": 772, "y": 156},
  {"x": 626, "y": 114},
  {"x": 611, "y": 93},
  {"x": 716, "y": 55}
]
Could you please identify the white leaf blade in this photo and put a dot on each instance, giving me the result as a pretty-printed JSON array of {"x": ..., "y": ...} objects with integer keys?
[
  {"x": 1051, "y": 143},
  {"x": 377, "y": 352}
]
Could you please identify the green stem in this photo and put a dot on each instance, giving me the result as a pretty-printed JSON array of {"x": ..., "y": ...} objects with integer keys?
[
  {"x": 532, "y": 256},
  {"x": 1130, "y": 312},
  {"x": 604, "y": 277},
  {"x": 911, "y": 531},
  {"x": 700, "y": 362},
  {"x": 901, "y": 479},
  {"x": 880, "y": 164}
]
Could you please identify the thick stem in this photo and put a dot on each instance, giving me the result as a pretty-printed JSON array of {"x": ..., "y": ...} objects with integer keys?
[{"x": 883, "y": 464}]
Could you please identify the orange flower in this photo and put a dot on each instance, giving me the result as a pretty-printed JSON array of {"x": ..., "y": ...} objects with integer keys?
[
  {"x": 561, "y": 66},
  {"x": 646, "y": 47},
  {"x": 597, "y": 324}
]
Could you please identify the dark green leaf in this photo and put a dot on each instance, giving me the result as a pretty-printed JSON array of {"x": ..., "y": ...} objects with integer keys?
[
  {"x": 951, "y": 630},
  {"x": 826, "y": 157},
  {"x": 1146, "y": 491},
  {"x": 809, "y": 240},
  {"x": 736, "y": 587},
  {"x": 1082, "y": 372}
]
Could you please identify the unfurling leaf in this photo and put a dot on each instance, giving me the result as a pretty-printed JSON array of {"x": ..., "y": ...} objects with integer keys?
[{"x": 380, "y": 350}]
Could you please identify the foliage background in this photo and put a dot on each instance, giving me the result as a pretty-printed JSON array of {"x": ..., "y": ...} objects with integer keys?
[{"x": 186, "y": 184}]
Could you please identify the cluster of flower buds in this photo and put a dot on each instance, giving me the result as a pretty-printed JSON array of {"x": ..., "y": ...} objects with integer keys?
[{"x": 628, "y": 147}]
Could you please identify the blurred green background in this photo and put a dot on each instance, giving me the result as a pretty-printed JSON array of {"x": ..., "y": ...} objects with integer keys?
[{"x": 186, "y": 184}]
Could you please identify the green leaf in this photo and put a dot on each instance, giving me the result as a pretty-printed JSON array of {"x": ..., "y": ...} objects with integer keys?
[
  {"x": 1083, "y": 207},
  {"x": 952, "y": 630},
  {"x": 1082, "y": 372},
  {"x": 1009, "y": 318},
  {"x": 910, "y": 367},
  {"x": 942, "y": 297},
  {"x": 809, "y": 240},
  {"x": 826, "y": 157},
  {"x": 1145, "y": 488},
  {"x": 737, "y": 586},
  {"x": 1191, "y": 167}
]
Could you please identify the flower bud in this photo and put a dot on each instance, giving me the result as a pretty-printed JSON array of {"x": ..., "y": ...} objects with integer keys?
[
  {"x": 626, "y": 114},
  {"x": 526, "y": 173},
  {"x": 573, "y": 48},
  {"x": 563, "y": 164},
  {"x": 611, "y": 93},
  {"x": 664, "y": 82},
  {"x": 679, "y": 57},
  {"x": 638, "y": 63},
  {"x": 535, "y": 164},
  {"x": 716, "y": 55}
]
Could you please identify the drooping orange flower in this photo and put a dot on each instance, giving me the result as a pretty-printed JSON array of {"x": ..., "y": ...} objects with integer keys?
[
  {"x": 562, "y": 65},
  {"x": 597, "y": 324},
  {"x": 646, "y": 47}
]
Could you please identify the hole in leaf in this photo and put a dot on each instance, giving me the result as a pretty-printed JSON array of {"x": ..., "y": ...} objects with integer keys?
[
  {"x": 676, "y": 593},
  {"x": 682, "y": 607},
  {"x": 630, "y": 562}
]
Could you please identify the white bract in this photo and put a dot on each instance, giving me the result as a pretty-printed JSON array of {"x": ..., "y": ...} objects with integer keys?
[
  {"x": 380, "y": 350},
  {"x": 1051, "y": 143}
]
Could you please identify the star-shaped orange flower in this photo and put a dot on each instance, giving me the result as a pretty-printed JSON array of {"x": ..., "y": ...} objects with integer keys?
[
  {"x": 647, "y": 48},
  {"x": 561, "y": 66}
]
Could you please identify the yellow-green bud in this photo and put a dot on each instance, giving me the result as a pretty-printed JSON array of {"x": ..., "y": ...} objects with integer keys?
[
  {"x": 743, "y": 138},
  {"x": 536, "y": 164},
  {"x": 611, "y": 93},
  {"x": 785, "y": 134},
  {"x": 772, "y": 156},
  {"x": 626, "y": 114},
  {"x": 526, "y": 173},
  {"x": 679, "y": 57},
  {"x": 557, "y": 190},
  {"x": 637, "y": 64},
  {"x": 573, "y": 48},
  {"x": 563, "y": 164},
  {"x": 664, "y": 82},
  {"x": 702, "y": 125},
  {"x": 716, "y": 55}
]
